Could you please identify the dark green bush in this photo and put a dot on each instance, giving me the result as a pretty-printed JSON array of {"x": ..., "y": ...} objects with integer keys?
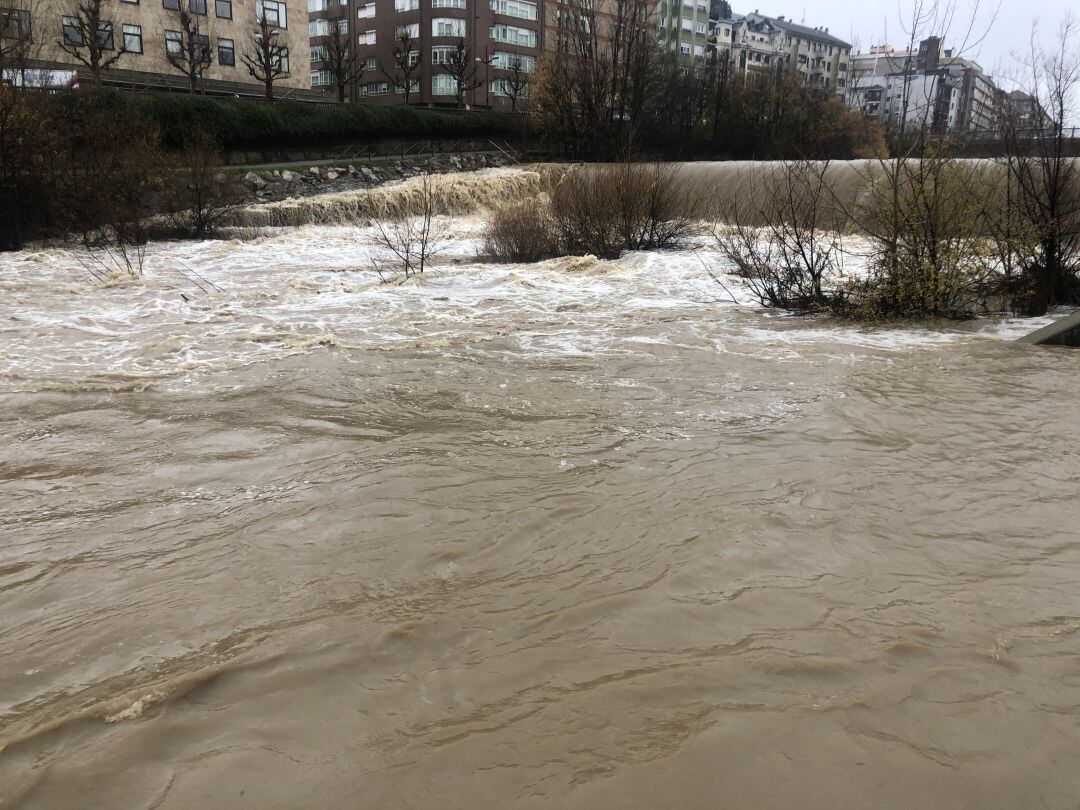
[{"x": 239, "y": 124}]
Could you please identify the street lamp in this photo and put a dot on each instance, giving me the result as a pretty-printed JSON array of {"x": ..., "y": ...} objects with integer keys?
[{"x": 486, "y": 61}]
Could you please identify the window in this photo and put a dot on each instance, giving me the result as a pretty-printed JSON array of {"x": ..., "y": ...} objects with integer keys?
[
  {"x": 316, "y": 5},
  {"x": 15, "y": 23},
  {"x": 223, "y": 9},
  {"x": 684, "y": 48},
  {"x": 374, "y": 89},
  {"x": 318, "y": 28},
  {"x": 699, "y": 50},
  {"x": 406, "y": 5},
  {"x": 281, "y": 61},
  {"x": 133, "y": 38},
  {"x": 320, "y": 78},
  {"x": 515, "y": 8},
  {"x": 369, "y": 65},
  {"x": 318, "y": 53},
  {"x": 174, "y": 46},
  {"x": 505, "y": 61},
  {"x": 133, "y": 2},
  {"x": 366, "y": 11},
  {"x": 171, "y": 5},
  {"x": 343, "y": 26},
  {"x": 440, "y": 54},
  {"x": 273, "y": 11},
  {"x": 685, "y": 24},
  {"x": 105, "y": 36},
  {"x": 366, "y": 37},
  {"x": 448, "y": 3},
  {"x": 414, "y": 87},
  {"x": 447, "y": 27},
  {"x": 414, "y": 57},
  {"x": 197, "y": 7},
  {"x": 443, "y": 85},
  {"x": 201, "y": 48},
  {"x": 226, "y": 52},
  {"x": 504, "y": 87},
  {"x": 411, "y": 30},
  {"x": 513, "y": 36},
  {"x": 700, "y": 28},
  {"x": 72, "y": 30}
]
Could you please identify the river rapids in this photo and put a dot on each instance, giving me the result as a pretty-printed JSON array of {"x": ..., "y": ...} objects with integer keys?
[{"x": 578, "y": 534}]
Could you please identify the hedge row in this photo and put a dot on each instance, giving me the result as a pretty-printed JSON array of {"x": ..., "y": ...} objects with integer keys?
[{"x": 238, "y": 124}]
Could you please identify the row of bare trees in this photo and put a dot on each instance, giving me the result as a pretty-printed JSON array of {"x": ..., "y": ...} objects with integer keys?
[
  {"x": 608, "y": 90},
  {"x": 93, "y": 38},
  {"x": 404, "y": 67}
]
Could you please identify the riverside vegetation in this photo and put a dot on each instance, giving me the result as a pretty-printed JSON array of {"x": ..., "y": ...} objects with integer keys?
[{"x": 938, "y": 237}]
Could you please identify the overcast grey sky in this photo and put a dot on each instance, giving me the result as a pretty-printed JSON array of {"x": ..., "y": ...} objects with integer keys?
[{"x": 870, "y": 22}]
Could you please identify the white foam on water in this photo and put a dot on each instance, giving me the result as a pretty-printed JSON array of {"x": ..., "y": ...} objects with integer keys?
[{"x": 312, "y": 287}]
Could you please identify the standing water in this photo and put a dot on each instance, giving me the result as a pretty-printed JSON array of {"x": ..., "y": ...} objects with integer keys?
[{"x": 577, "y": 534}]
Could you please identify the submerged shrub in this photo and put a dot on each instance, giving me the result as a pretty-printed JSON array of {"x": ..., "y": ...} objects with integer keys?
[
  {"x": 521, "y": 232},
  {"x": 199, "y": 197},
  {"x": 604, "y": 210},
  {"x": 927, "y": 221},
  {"x": 785, "y": 244}
]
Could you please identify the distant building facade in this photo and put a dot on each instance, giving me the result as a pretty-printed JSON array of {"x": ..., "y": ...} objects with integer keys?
[
  {"x": 1025, "y": 112},
  {"x": 148, "y": 31},
  {"x": 684, "y": 27},
  {"x": 503, "y": 40},
  {"x": 929, "y": 87},
  {"x": 756, "y": 42}
]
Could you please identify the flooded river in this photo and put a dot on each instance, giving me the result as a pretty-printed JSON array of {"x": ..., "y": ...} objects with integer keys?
[{"x": 571, "y": 535}]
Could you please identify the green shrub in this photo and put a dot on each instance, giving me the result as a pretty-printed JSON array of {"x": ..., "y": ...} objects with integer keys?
[{"x": 239, "y": 124}]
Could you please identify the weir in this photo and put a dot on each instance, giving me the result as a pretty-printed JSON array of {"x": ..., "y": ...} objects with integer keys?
[{"x": 1062, "y": 332}]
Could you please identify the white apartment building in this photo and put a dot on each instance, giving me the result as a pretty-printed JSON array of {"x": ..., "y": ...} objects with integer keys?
[
  {"x": 757, "y": 42},
  {"x": 931, "y": 86}
]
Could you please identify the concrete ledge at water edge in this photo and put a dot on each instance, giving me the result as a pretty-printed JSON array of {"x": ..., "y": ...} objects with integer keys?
[{"x": 1062, "y": 332}]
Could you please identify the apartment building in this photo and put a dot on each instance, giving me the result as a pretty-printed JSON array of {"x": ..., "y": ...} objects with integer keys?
[
  {"x": 1024, "y": 111},
  {"x": 755, "y": 42},
  {"x": 928, "y": 86},
  {"x": 146, "y": 32},
  {"x": 683, "y": 28},
  {"x": 502, "y": 39}
]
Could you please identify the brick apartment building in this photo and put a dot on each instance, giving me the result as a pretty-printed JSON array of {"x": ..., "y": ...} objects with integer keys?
[{"x": 496, "y": 34}]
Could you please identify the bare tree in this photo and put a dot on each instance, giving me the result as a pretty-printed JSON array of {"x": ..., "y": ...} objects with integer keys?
[
  {"x": 89, "y": 37},
  {"x": 200, "y": 196},
  {"x": 594, "y": 88},
  {"x": 404, "y": 68},
  {"x": 266, "y": 55},
  {"x": 906, "y": 211},
  {"x": 516, "y": 83},
  {"x": 407, "y": 237},
  {"x": 461, "y": 65},
  {"x": 784, "y": 241},
  {"x": 1044, "y": 179},
  {"x": 191, "y": 55},
  {"x": 341, "y": 59}
]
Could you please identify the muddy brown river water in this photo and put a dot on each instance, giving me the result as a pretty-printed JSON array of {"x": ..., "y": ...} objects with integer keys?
[{"x": 573, "y": 535}]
